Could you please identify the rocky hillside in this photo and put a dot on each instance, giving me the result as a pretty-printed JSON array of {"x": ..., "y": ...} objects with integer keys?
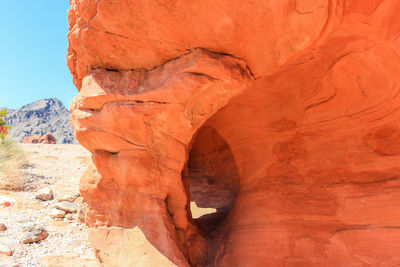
[{"x": 41, "y": 117}]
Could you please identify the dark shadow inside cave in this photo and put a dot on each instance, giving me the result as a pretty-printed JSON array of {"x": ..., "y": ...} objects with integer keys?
[{"x": 212, "y": 179}]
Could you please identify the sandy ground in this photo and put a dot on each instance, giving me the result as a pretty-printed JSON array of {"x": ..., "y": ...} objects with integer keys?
[{"x": 58, "y": 167}]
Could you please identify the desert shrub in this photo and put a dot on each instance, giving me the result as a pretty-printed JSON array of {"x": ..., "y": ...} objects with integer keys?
[{"x": 12, "y": 159}]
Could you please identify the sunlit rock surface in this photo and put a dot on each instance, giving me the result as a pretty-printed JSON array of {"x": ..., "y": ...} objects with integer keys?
[{"x": 282, "y": 116}]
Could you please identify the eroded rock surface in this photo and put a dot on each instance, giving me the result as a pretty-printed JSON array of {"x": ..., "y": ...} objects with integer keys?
[
  {"x": 155, "y": 115},
  {"x": 283, "y": 116}
]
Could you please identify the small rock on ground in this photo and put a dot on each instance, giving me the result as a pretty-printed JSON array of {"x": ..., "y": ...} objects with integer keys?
[
  {"x": 69, "y": 216},
  {"x": 66, "y": 206},
  {"x": 3, "y": 227},
  {"x": 6, "y": 202},
  {"x": 5, "y": 250},
  {"x": 67, "y": 197},
  {"x": 45, "y": 194},
  {"x": 34, "y": 234},
  {"x": 56, "y": 213}
]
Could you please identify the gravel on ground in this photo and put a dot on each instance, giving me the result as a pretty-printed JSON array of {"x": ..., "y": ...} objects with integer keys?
[{"x": 59, "y": 168}]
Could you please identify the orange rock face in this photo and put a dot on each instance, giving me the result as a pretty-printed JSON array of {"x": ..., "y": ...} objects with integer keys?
[{"x": 284, "y": 116}]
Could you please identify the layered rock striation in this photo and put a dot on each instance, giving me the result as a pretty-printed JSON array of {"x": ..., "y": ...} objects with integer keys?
[{"x": 283, "y": 116}]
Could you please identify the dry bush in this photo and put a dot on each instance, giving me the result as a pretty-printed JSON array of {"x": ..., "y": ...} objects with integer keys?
[{"x": 12, "y": 159}]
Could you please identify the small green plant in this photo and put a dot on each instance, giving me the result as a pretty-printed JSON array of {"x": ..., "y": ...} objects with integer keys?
[{"x": 3, "y": 126}]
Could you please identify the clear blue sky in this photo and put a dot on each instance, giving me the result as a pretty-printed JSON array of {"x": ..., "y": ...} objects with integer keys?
[{"x": 33, "y": 47}]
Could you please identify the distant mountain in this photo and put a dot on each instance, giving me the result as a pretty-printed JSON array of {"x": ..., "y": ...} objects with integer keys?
[
  {"x": 41, "y": 117},
  {"x": 10, "y": 110}
]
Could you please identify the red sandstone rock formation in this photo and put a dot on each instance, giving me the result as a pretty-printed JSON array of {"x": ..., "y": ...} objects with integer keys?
[
  {"x": 282, "y": 115},
  {"x": 31, "y": 139},
  {"x": 47, "y": 139},
  {"x": 37, "y": 139}
]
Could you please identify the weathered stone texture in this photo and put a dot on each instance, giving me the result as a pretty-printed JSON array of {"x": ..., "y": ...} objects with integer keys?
[{"x": 282, "y": 115}]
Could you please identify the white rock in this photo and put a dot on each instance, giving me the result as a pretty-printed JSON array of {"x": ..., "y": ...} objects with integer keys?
[
  {"x": 45, "y": 194},
  {"x": 66, "y": 206},
  {"x": 56, "y": 213}
]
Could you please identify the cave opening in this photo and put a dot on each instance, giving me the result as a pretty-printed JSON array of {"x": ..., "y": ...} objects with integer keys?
[{"x": 212, "y": 179}]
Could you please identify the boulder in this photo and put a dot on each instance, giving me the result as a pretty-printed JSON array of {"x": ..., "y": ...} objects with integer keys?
[
  {"x": 47, "y": 139},
  {"x": 40, "y": 139},
  {"x": 282, "y": 117},
  {"x": 31, "y": 139}
]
